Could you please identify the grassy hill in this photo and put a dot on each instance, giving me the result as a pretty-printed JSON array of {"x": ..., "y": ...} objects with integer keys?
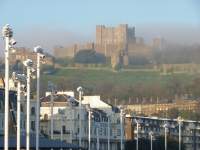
[{"x": 110, "y": 83}]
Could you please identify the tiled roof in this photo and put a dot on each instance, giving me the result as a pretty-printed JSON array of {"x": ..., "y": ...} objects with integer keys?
[{"x": 61, "y": 98}]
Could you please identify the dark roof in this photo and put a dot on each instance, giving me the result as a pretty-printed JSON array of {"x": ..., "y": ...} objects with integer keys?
[
  {"x": 61, "y": 98},
  {"x": 45, "y": 143}
]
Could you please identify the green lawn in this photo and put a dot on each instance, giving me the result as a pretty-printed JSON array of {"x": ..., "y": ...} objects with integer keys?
[{"x": 119, "y": 78}]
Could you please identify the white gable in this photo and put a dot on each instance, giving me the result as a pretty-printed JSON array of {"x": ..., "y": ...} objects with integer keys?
[
  {"x": 95, "y": 102},
  {"x": 69, "y": 93}
]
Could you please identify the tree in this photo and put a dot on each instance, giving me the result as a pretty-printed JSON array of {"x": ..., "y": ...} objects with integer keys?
[
  {"x": 64, "y": 62},
  {"x": 89, "y": 57},
  {"x": 173, "y": 113}
]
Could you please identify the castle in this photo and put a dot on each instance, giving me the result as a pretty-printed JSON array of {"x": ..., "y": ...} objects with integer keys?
[{"x": 119, "y": 43}]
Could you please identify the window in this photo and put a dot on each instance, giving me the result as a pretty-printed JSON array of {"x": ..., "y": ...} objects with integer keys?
[
  {"x": 45, "y": 117},
  {"x": 64, "y": 129},
  {"x": 33, "y": 111},
  {"x": 33, "y": 125}
]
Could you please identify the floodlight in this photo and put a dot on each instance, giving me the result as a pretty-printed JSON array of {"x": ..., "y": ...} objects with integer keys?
[
  {"x": 12, "y": 42},
  {"x": 28, "y": 63},
  {"x": 33, "y": 70},
  {"x": 38, "y": 49},
  {"x": 79, "y": 89}
]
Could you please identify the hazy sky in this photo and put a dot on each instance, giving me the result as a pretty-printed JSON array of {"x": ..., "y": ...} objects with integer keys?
[{"x": 60, "y": 22}]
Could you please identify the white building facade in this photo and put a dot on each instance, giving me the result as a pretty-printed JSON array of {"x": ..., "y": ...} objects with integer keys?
[{"x": 66, "y": 122}]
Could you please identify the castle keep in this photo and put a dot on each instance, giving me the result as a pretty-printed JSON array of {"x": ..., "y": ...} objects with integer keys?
[{"x": 112, "y": 40}]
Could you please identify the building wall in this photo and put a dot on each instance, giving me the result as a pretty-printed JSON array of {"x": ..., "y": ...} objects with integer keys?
[
  {"x": 22, "y": 54},
  {"x": 71, "y": 51},
  {"x": 190, "y": 129},
  {"x": 150, "y": 109},
  {"x": 69, "y": 121}
]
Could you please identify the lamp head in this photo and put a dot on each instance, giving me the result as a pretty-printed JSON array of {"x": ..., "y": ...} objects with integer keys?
[
  {"x": 38, "y": 49},
  {"x": 79, "y": 89},
  {"x": 19, "y": 77},
  {"x": 7, "y": 31},
  {"x": 33, "y": 70},
  {"x": 12, "y": 42},
  {"x": 28, "y": 63},
  {"x": 151, "y": 133},
  {"x": 42, "y": 56},
  {"x": 23, "y": 87},
  {"x": 166, "y": 125}
]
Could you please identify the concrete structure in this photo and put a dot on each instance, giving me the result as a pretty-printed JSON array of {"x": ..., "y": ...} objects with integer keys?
[
  {"x": 190, "y": 68},
  {"x": 190, "y": 130},
  {"x": 63, "y": 52},
  {"x": 152, "y": 109},
  {"x": 21, "y": 54},
  {"x": 66, "y": 121}
]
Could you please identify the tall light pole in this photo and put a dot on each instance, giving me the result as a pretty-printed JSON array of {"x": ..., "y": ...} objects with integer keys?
[
  {"x": 18, "y": 114},
  {"x": 192, "y": 128},
  {"x": 151, "y": 138},
  {"x": 97, "y": 130},
  {"x": 180, "y": 121},
  {"x": 137, "y": 121},
  {"x": 80, "y": 90},
  {"x": 108, "y": 132},
  {"x": 51, "y": 88},
  {"x": 7, "y": 35},
  {"x": 121, "y": 128},
  {"x": 89, "y": 128},
  {"x": 89, "y": 125},
  {"x": 29, "y": 64},
  {"x": 61, "y": 124},
  {"x": 40, "y": 55},
  {"x": 166, "y": 125},
  {"x": 19, "y": 79}
]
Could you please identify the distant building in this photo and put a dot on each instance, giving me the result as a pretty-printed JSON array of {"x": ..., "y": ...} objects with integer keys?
[
  {"x": 119, "y": 43},
  {"x": 13, "y": 115},
  {"x": 70, "y": 51},
  {"x": 113, "y": 40},
  {"x": 151, "y": 109},
  {"x": 190, "y": 130},
  {"x": 158, "y": 43},
  {"x": 21, "y": 54},
  {"x": 179, "y": 68}
]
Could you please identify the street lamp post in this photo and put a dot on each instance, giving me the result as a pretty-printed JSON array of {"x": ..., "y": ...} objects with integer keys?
[
  {"x": 90, "y": 115},
  {"x": 179, "y": 125},
  {"x": 97, "y": 130},
  {"x": 40, "y": 55},
  {"x": 137, "y": 121},
  {"x": 121, "y": 128},
  {"x": 18, "y": 114},
  {"x": 29, "y": 64},
  {"x": 166, "y": 128},
  {"x": 61, "y": 129},
  {"x": 108, "y": 132},
  {"x": 89, "y": 129},
  {"x": 192, "y": 128},
  {"x": 80, "y": 90},
  {"x": 7, "y": 34},
  {"x": 51, "y": 88},
  {"x": 19, "y": 79},
  {"x": 151, "y": 138}
]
